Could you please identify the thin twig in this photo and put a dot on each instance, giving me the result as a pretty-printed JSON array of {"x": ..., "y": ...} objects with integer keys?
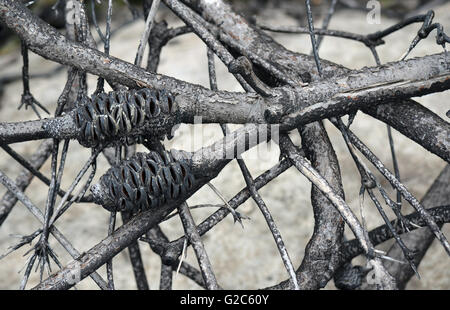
[
  {"x": 253, "y": 191},
  {"x": 109, "y": 264},
  {"x": 382, "y": 233},
  {"x": 321, "y": 32},
  {"x": 136, "y": 259},
  {"x": 406, "y": 252},
  {"x": 28, "y": 165},
  {"x": 326, "y": 21},
  {"x": 42, "y": 247},
  {"x": 198, "y": 26},
  {"x": 313, "y": 36},
  {"x": 394, "y": 163},
  {"x": 155, "y": 238},
  {"x": 400, "y": 187},
  {"x": 199, "y": 249},
  {"x": 270, "y": 223},
  {"x": 106, "y": 39},
  {"x": 165, "y": 280},
  {"x": 12, "y": 187},
  {"x": 145, "y": 35},
  {"x": 309, "y": 172},
  {"x": 176, "y": 246},
  {"x": 94, "y": 21},
  {"x": 420, "y": 240},
  {"x": 303, "y": 165},
  {"x": 391, "y": 140},
  {"x": 27, "y": 97}
]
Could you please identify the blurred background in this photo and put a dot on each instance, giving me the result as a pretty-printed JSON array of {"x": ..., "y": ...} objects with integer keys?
[{"x": 242, "y": 258}]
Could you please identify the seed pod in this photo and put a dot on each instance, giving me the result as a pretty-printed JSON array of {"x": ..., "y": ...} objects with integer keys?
[
  {"x": 126, "y": 117},
  {"x": 146, "y": 181}
]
